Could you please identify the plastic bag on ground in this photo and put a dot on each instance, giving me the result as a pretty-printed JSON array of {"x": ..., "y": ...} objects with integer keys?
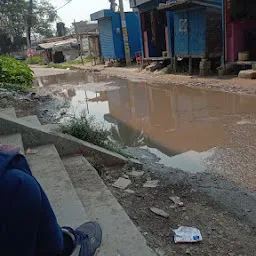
[{"x": 187, "y": 235}]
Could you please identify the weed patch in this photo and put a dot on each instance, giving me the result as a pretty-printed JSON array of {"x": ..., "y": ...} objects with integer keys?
[{"x": 15, "y": 75}]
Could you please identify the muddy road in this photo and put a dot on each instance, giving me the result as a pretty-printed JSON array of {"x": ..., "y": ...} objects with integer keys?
[
  {"x": 194, "y": 130},
  {"x": 199, "y": 145}
]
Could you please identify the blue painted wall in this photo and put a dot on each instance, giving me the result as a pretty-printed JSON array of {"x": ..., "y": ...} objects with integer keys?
[
  {"x": 170, "y": 25},
  {"x": 197, "y": 31},
  {"x": 134, "y": 32},
  {"x": 118, "y": 36},
  {"x": 193, "y": 40}
]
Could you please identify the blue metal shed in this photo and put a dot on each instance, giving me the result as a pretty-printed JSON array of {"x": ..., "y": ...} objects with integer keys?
[
  {"x": 111, "y": 37},
  {"x": 197, "y": 27},
  {"x": 194, "y": 41}
]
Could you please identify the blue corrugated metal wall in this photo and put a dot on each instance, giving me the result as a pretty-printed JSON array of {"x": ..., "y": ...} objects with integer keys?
[
  {"x": 192, "y": 41},
  {"x": 106, "y": 37},
  {"x": 111, "y": 37},
  {"x": 118, "y": 36}
]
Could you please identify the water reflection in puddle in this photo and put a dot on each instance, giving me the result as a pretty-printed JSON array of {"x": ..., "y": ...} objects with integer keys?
[{"x": 191, "y": 129}]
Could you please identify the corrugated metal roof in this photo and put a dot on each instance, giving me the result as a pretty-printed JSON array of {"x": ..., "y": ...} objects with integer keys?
[
  {"x": 180, "y": 4},
  {"x": 58, "y": 43},
  {"x": 174, "y": 4}
]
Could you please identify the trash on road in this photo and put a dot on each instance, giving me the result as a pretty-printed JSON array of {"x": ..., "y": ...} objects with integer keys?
[
  {"x": 31, "y": 96},
  {"x": 130, "y": 191},
  {"x": 122, "y": 183},
  {"x": 159, "y": 212},
  {"x": 30, "y": 151},
  {"x": 151, "y": 184},
  {"x": 187, "y": 235},
  {"x": 177, "y": 201},
  {"x": 135, "y": 173}
]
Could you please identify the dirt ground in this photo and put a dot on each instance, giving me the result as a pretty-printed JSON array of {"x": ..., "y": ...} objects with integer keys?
[
  {"x": 223, "y": 234},
  {"x": 227, "y": 83}
]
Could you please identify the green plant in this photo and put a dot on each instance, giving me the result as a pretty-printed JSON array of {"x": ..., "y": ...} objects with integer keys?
[
  {"x": 15, "y": 87},
  {"x": 15, "y": 74},
  {"x": 34, "y": 60},
  {"x": 15, "y": 71},
  {"x": 86, "y": 129}
]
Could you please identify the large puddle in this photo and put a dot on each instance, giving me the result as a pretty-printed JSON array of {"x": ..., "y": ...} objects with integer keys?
[{"x": 190, "y": 129}]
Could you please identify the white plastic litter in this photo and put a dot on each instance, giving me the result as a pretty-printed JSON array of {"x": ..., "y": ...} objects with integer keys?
[{"x": 187, "y": 235}]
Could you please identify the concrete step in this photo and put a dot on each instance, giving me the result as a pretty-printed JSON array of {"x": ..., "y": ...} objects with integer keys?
[
  {"x": 33, "y": 119},
  {"x": 12, "y": 140},
  {"x": 8, "y": 111},
  {"x": 51, "y": 127},
  {"x": 120, "y": 235},
  {"x": 49, "y": 170}
]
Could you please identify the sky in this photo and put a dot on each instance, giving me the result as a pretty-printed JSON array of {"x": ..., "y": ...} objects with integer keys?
[{"x": 81, "y": 9}]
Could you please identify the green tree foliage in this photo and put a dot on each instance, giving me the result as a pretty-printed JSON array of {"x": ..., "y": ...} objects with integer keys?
[
  {"x": 33, "y": 16},
  {"x": 42, "y": 16}
]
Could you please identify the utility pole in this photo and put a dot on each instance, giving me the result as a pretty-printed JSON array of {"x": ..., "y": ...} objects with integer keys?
[
  {"x": 26, "y": 29},
  {"x": 29, "y": 20},
  {"x": 125, "y": 33},
  {"x": 78, "y": 38}
]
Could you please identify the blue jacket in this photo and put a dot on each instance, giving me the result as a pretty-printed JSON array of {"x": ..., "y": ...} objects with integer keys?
[{"x": 28, "y": 226}]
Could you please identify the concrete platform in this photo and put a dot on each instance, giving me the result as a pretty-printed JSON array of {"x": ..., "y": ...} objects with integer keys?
[
  {"x": 12, "y": 140},
  {"x": 8, "y": 112},
  {"x": 120, "y": 235},
  {"x": 247, "y": 74},
  {"x": 51, "y": 127},
  {"x": 48, "y": 168},
  {"x": 32, "y": 120}
]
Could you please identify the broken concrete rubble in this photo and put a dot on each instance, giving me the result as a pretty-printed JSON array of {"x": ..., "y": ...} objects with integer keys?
[
  {"x": 247, "y": 74},
  {"x": 151, "y": 184},
  {"x": 177, "y": 201},
  {"x": 159, "y": 212},
  {"x": 122, "y": 183},
  {"x": 135, "y": 173}
]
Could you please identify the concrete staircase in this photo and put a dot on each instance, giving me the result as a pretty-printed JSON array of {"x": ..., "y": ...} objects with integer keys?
[{"x": 78, "y": 194}]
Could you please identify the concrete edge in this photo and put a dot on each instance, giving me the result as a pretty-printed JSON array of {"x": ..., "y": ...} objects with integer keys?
[{"x": 66, "y": 145}]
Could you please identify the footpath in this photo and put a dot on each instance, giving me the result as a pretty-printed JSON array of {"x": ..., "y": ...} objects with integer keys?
[{"x": 231, "y": 84}]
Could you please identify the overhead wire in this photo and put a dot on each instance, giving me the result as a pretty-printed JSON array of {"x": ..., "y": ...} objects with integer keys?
[{"x": 63, "y": 5}]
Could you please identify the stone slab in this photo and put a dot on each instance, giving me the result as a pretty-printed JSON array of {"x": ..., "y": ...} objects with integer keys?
[
  {"x": 120, "y": 235},
  {"x": 32, "y": 120},
  {"x": 51, "y": 127},
  {"x": 8, "y": 112},
  {"x": 122, "y": 183},
  {"x": 247, "y": 74},
  {"x": 12, "y": 140},
  {"x": 49, "y": 170}
]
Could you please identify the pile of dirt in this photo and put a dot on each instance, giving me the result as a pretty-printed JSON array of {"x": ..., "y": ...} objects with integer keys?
[{"x": 223, "y": 234}]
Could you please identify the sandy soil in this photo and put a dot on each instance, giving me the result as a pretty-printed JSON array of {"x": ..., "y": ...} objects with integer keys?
[
  {"x": 227, "y": 83},
  {"x": 223, "y": 234}
]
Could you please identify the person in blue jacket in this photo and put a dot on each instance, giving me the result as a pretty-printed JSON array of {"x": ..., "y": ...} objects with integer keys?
[{"x": 28, "y": 226}]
